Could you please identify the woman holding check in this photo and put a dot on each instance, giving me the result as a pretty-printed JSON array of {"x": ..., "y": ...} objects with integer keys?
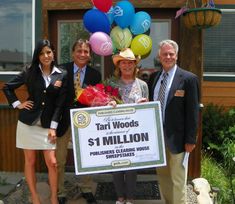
[{"x": 132, "y": 90}]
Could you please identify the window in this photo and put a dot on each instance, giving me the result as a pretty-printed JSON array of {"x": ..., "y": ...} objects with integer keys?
[
  {"x": 16, "y": 34},
  {"x": 68, "y": 32},
  {"x": 159, "y": 30},
  {"x": 219, "y": 49}
]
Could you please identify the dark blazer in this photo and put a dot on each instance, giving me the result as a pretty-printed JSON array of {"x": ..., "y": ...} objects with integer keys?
[
  {"x": 92, "y": 77},
  {"x": 181, "y": 113},
  {"x": 48, "y": 102}
]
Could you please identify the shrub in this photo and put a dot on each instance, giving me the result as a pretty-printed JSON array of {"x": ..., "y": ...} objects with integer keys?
[
  {"x": 217, "y": 125},
  {"x": 219, "y": 139},
  {"x": 216, "y": 176}
]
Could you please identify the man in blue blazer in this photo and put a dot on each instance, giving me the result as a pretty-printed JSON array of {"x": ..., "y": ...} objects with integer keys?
[
  {"x": 81, "y": 53},
  {"x": 180, "y": 109}
]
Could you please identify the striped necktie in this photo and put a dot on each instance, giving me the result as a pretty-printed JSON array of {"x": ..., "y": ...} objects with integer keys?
[
  {"x": 77, "y": 83},
  {"x": 162, "y": 91}
]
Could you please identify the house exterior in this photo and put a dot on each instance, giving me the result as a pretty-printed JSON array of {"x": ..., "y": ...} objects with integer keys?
[{"x": 61, "y": 22}]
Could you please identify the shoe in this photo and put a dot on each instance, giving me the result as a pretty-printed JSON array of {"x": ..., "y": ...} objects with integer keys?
[
  {"x": 120, "y": 202},
  {"x": 89, "y": 198},
  {"x": 62, "y": 200}
]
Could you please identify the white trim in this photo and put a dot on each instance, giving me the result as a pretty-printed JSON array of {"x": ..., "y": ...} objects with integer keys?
[
  {"x": 33, "y": 25},
  {"x": 9, "y": 72},
  {"x": 228, "y": 10},
  {"x": 218, "y": 74}
]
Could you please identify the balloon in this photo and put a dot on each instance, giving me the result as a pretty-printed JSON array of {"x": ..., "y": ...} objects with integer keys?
[
  {"x": 101, "y": 44},
  {"x": 115, "y": 50},
  {"x": 102, "y": 5},
  {"x": 141, "y": 44},
  {"x": 95, "y": 20},
  {"x": 141, "y": 23},
  {"x": 123, "y": 13},
  {"x": 110, "y": 15},
  {"x": 148, "y": 31},
  {"x": 146, "y": 55},
  {"x": 121, "y": 37}
]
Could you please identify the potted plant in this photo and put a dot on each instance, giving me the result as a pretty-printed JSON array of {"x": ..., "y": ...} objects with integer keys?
[{"x": 201, "y": 14}]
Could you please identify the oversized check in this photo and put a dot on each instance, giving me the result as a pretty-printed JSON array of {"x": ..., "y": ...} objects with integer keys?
[{"x": 107, "y": 139}]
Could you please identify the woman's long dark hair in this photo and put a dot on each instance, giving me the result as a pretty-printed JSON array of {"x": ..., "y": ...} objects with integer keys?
[{"x": 33, "y": 70}]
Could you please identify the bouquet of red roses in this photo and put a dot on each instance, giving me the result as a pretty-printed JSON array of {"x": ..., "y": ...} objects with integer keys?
[{"x": 98, "y": 95}]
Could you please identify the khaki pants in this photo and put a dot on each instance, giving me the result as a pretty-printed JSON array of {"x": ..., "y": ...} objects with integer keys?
[
  {"x": 173, "y": 178},
  {"x": 61, "y": 156}
]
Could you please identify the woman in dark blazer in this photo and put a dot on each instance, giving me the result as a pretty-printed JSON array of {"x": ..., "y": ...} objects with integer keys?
[{"x": 39, "y": 114}]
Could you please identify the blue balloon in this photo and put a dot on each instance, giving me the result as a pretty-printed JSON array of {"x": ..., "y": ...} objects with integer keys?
[
  {"x": 94, "y": 21},
  {"x": 123, "y": 13},
  {"x": 110, "y": 15},
  {"x": 141, "y": 23}
]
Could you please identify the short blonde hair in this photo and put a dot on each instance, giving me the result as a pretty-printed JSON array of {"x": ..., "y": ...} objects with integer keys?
[{"x": 117, "y": 73}]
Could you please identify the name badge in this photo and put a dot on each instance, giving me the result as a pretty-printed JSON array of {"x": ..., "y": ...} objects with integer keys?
[
  {"x": 58, "y": 83},
  {"x": 179, "y": 93}
]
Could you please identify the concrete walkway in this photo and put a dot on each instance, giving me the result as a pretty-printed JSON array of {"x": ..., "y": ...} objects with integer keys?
[{"x": 14, "y": 179}]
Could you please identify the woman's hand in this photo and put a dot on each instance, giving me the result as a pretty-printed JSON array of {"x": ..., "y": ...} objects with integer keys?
[
  {"x": 26, "y": 105},
  {"x": 52, "y": 136},
  {"x": 112, "y": 103},
  {"x": 141, "y": 100}
]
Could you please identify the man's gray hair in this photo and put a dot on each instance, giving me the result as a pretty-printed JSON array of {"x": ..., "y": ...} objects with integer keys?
[{"x": 169, "y": 42}]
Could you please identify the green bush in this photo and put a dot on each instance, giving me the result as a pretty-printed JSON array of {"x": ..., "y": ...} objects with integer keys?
[
  {"x": 218, "y": 132},
  {"x": 218, "y": 125},
  {"x": 216, "y": 176}
]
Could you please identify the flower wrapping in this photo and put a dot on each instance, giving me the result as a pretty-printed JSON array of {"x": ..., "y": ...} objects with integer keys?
[{"x": 98, "y": 95}]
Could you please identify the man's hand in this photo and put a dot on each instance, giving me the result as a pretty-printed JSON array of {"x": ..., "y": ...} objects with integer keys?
[{"x": 189, "y": 147}]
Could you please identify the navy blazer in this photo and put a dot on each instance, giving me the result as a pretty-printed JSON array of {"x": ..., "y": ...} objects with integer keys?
[
  {"x": 182, "y": 110},
  {"x": 92, "y": 77},
  {"x": 47, "y": 101}
]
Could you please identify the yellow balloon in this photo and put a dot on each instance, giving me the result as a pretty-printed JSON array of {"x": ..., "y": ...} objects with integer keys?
[
  {"x": 141, "y": 44},
  {"x": 121, "y": 37}
]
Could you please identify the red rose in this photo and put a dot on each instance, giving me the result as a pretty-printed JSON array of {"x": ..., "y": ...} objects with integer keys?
[
  {"x": 100, "y": 86},
  {"x": 115, "y": 92},
  {"x": 109, "y": 89}
]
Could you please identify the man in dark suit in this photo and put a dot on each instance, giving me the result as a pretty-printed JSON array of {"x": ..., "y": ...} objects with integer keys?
[
  {"x": 81, "y": 53},
  {"x": 180, "y": 109}
]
